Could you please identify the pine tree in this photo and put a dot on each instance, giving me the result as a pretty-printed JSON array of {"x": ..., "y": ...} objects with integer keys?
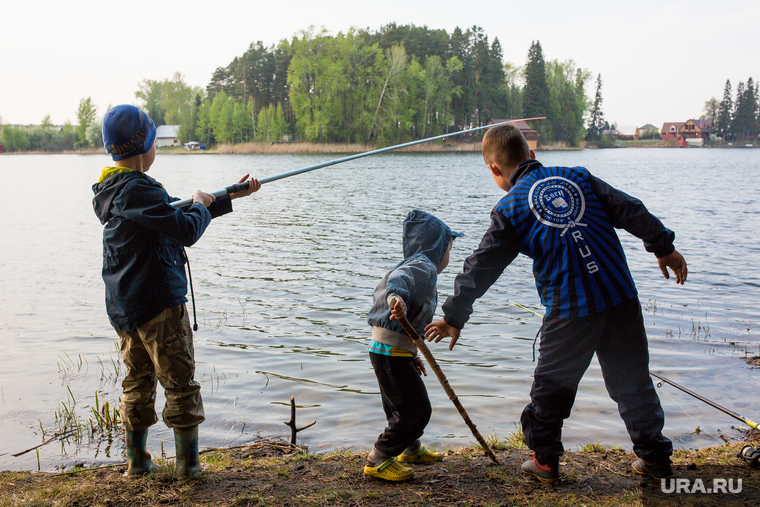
[
  {"x": 744, "y": 121},
  {"x": 753, "y": 104},
  {"x": 536, "y": 93},
  {"x": 739, "y": 117},
  {"x": 596, "y": 121},
  {"x": 723, "y": 122}
]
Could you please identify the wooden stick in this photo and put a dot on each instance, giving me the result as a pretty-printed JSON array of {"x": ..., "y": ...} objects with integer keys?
[
  {"x": 292, "y": 422},
  {"x": 54, "y": 437},
  {"x": 423, "y": 348}
]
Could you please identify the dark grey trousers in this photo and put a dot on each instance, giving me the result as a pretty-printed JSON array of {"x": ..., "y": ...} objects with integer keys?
[
  {"x": 618, "y": 338},
  {"x": 405, "y": 402}
]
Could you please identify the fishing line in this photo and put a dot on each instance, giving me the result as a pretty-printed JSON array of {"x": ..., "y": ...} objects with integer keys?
[
  {"x": 539, "y": 328},
  {"x": 746, "y": 421},
  {"x": 699, "y": 423}
]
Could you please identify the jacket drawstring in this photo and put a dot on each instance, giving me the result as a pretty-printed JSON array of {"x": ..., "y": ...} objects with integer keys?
[{"x": 192, "y": 293}]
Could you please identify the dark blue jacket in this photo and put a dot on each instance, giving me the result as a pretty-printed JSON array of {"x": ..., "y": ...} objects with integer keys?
[
  {"x": 143, "y": 240},
  {"x": 425, "y": 241},
  {"x": 564, "y": 219}
]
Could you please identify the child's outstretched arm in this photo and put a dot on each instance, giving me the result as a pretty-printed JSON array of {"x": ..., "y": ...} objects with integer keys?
[
  {"x": 675, "y": 262},
  {"x": 439, "y": 330}
]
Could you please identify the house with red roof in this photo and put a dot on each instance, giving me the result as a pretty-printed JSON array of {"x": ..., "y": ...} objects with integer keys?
[{"x": 669, "y": 130}]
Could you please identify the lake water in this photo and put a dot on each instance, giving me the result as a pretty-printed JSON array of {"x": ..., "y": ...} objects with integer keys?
[{"x": 284, "y": 283}]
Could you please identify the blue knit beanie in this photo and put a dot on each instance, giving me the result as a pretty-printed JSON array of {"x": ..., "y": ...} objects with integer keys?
[{"x": 127, "y": 132}]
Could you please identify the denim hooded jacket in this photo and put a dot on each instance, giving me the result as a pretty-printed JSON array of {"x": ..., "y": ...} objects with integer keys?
[{"x": 425, "y": 241}]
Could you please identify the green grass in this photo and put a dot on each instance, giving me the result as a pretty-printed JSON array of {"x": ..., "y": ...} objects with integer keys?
[
  {"x": 598, "y": 447},
  {"x": 515, "y": 440}
]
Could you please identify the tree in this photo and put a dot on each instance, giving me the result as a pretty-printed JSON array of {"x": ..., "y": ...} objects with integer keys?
[
  {"x": 745, "y": 110},
  {"x": 43, "y": 137},
  {"x": 85, "y": 115},
  {"x": 14, "y": 138},
  {"x": 94, "y": 134},
  {"x": 725, "y": 110},
  {"x": 331, "y": 80},
  {"x": 536, "y": 93},
  {"x": 710, "y": 111},
  {"x": 397, "y": 61},
  {"x": 66, "y": 137},
  {"x": 492, "y": 93},
  {"x": 437, "y": 91},
  {"x": 203, "y": 128},
  {"x": 151, "y": 93},
  {"x": 596, "y": 121},
  {"x": 220, "y": 117},
  {"x": 171, "y": 102},
  {"x": 242, "y": 123},
  {"x": 567, "y": 102},
  {"x": 513, "y": 74}
]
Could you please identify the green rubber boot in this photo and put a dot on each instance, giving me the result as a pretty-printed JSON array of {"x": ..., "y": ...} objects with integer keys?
[
  {"x": 186, "y": 446},
  {"x": 138, "y": 458}
]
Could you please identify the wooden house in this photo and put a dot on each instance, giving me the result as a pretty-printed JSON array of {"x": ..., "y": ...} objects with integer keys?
[
  {"x": 530, "y": 135},
  {"x": 696, "y": 129}
]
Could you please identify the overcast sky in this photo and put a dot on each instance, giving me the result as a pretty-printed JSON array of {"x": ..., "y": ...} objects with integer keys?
[{"x": 659, "y": 60}]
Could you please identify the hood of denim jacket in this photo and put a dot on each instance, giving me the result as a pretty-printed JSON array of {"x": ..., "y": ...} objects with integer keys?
[{"x": 427, "y": 235}]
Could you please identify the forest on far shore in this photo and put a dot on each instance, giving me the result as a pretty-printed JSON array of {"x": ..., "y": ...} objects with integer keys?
[{"x": 396, "y": 84}]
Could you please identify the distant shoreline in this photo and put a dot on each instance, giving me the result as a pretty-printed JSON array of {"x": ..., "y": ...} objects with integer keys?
[{"x": 254, "y": 148}]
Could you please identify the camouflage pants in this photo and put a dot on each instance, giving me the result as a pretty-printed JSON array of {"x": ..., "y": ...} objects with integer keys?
[{"x": 160, "y": 350}]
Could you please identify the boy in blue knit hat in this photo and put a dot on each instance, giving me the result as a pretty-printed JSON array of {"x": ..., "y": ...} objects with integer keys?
[{"x": 144, "y": 274}]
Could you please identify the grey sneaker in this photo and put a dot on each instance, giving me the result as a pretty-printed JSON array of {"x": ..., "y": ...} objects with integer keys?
[
  {"x": 544, "y": 473},
  {"x": 660, "y": 470}
]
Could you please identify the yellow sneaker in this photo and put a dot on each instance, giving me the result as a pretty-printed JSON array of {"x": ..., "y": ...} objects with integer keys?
[
  {"x": 424, "y": 455},
  {"x": 390, "y": 470}
]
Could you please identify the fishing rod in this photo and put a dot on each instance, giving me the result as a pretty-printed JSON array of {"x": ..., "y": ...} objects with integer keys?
[
  {"x": 746, "y": 421},
  {"x": 242, "y": 186}
]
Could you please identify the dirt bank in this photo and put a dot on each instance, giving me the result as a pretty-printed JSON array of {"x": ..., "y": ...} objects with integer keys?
[{"x": 270, "y": 473}]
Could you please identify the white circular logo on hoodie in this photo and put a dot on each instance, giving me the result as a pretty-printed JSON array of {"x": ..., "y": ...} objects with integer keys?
[{"x": 557, "y": 201}]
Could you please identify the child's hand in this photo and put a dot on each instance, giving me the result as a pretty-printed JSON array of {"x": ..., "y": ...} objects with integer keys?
[
  {"x": 420, "y": 366},
  {"x": 398, "y": 310},
  {"x": 439, "y": 330},
  {"x": 677, "y": 263},
  {"x": 203, "y": 198},
  {"x": 253, "y": 186}
]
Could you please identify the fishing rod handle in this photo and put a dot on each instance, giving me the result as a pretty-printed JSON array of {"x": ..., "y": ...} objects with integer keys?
[{"x": 237, "y": 187}]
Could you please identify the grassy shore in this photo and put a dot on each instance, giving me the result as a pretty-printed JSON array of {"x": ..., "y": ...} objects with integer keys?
[
  {"x": 271, "y": 473},
  {"x": 301, "y": 148},
  {"x": 306, "y": 148},
  {"x": 287, "y": 148}
]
